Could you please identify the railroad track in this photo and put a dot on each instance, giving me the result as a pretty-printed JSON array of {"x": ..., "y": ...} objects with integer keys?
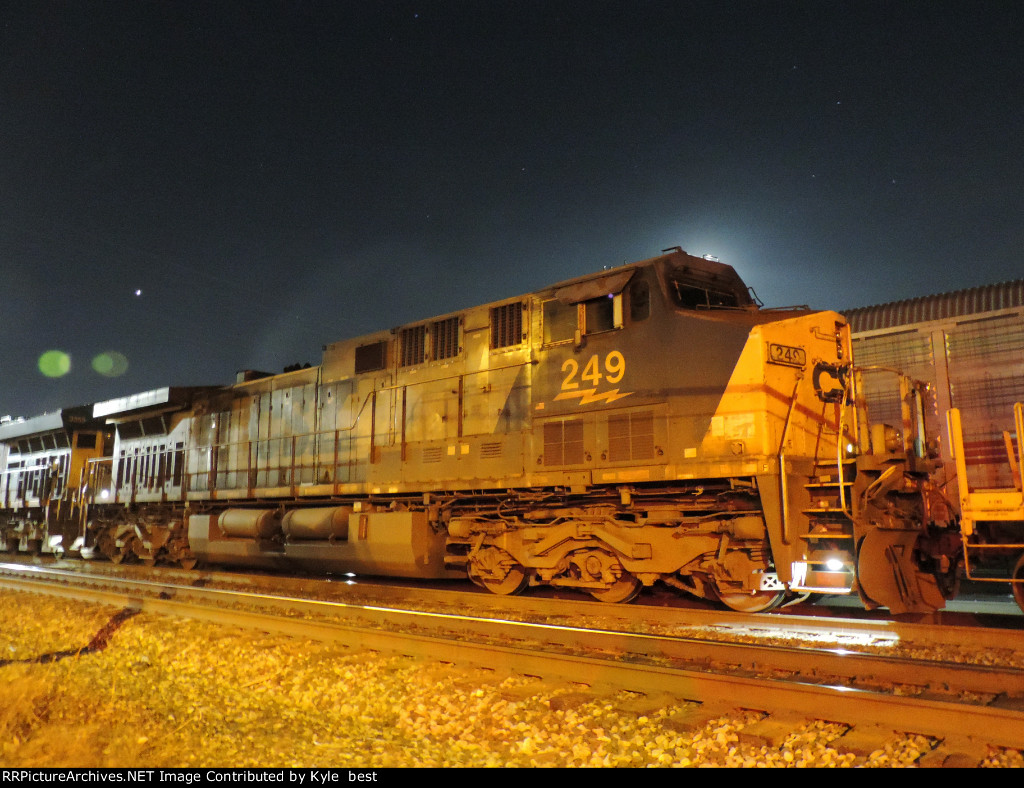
[{"x": 933, "y": 697}]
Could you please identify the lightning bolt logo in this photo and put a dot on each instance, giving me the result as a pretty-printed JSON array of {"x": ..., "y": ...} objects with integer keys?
[{"x": 590, "y": 396}]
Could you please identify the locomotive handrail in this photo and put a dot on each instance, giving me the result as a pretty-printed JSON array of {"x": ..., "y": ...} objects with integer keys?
[
  {"x": 912, "y": 423},
  {"x": 12, "y": 474},
  {"x": 839, "y": 451},
  {"x": 781, "y": 456},
  {"x": 253, "y": 445},
  {"x": 458, "y": 376},
  {"x": 15, "y": 471},
  {"x": 252, "y": 449}
]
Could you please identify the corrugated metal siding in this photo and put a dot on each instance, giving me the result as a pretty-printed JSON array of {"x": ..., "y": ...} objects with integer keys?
[
  {"x": 910, "y": 352},
  {"x": 969, "y": 346},
  {"x": 944, "y": 306}
]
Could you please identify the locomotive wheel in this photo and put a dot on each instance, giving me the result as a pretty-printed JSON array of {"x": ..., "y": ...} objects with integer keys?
[
  {"x": 514, "y": 582},
  {"x": 498, "y": 572},
  {"x": 109, "y": 549},
  {"x": 622, "y": 590},
  {"x": 1018, "y": 587},
  {"x": 758, "y": 602}
]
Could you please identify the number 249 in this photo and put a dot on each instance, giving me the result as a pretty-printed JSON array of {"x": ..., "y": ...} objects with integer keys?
[{"x": 614, "y": 368}]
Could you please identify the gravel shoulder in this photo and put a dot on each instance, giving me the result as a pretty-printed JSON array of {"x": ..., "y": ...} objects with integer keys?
[{"x": 162, "y": 692}]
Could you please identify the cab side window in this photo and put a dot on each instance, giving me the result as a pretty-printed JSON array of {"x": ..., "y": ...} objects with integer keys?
[
  {"x": 560, "y": 321},
  {"x": 599, "y": 315},
  {"x": 639, "y": 300}
]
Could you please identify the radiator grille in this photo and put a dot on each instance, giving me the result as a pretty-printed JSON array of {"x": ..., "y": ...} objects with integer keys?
[
  {"x": 446, "y": 338},
  {"x": 506, "y": 325},
  {"x": 563, "y": 442},
  {"x": 631, "y": 436},
  {"x": 413, "y": 345}
]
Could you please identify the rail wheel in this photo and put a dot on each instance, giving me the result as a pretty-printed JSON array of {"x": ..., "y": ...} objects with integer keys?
[
  {"x": 497, "y": 571},
  {"x": 622, "y": 590},
  {"x": 1018, "y": 585},
  {"x": 607, "y": 579},
  {"x": 107, "y": 546},
  {"x": 751, "y": 602}
]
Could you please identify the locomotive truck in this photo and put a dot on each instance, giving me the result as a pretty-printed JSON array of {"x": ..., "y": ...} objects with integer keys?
[{"x": 647, "y": 424}]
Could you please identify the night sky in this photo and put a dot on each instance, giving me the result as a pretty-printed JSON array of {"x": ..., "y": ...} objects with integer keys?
[{"x": 189, "y": 188}]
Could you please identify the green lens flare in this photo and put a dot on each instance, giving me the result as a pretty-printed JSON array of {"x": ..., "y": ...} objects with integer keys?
[
  {"x": 55, "y": 363},
  {"x": 110, "y": 364}
]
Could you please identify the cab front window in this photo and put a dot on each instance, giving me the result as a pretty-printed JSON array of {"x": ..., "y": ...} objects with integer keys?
[{"x": 690, "y": 290}]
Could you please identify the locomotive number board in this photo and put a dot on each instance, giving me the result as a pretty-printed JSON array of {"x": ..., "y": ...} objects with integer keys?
[{"x": 789, "y": 356}]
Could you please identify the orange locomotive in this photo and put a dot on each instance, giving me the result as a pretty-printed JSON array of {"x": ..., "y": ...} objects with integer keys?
[{"x": 648, "y": 423}]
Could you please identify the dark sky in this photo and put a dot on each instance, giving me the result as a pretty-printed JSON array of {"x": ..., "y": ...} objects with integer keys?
[{"x": 203, "y": 187}]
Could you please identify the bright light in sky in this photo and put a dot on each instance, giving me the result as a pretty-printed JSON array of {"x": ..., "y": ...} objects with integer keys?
[
  {"x": 110, "y": 364},
  {"x": 55, "y": 363}
]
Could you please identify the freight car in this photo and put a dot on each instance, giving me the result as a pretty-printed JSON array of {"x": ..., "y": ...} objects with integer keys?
[
  {"x": 992, "y": 518},
  {"x": 649, "y": 423},
  {"x": 969, "y": 345}
]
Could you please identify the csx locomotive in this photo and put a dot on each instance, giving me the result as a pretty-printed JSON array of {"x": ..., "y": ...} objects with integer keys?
[{"x": 648, "y": 423}]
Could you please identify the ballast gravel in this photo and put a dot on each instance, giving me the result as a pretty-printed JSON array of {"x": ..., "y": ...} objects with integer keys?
[{"x": 81, "y": 688}]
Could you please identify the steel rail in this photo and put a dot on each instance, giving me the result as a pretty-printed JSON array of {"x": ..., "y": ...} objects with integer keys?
[
  {"x": 835, "y": 664},
  {"x": 939, "y": 718},
  {"x": 631, "y": 618}
]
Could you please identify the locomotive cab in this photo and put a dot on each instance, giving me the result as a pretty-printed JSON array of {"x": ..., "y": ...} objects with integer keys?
[
  {"x": 698, "y": 440},
  {"x": 44, "y": 477}
]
